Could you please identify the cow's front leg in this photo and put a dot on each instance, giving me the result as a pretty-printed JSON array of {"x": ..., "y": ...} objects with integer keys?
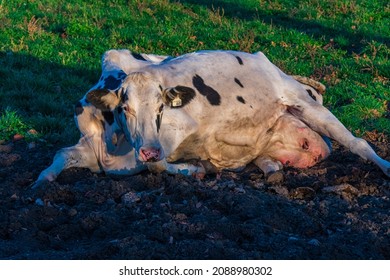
[
  {"x": 324, "y": 122},
  {"x": 187, "y": 169},
  {"x": 272, "y": 169},
  {"x": 268, "y": 165},
  {"x": 80, "y": 155}
]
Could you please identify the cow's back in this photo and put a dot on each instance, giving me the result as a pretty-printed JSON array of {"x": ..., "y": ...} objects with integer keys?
[{"x": 228, "y": 84}]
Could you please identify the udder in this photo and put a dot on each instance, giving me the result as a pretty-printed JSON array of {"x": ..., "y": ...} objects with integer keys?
[{"x": 293, "y": 143}]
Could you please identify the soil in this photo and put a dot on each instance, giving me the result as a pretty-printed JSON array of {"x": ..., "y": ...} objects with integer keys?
[{"x": 338, "y": 209}]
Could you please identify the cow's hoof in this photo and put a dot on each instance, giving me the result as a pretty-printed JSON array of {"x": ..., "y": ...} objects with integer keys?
[
  {"x": 39, "y": 184},
  {"x": 275, "y": 177}
]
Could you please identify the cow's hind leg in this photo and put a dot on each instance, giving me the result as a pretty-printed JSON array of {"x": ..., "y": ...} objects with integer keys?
[
  {"x": 324, "y": 122},
  {"x": 80, "y": 155}
]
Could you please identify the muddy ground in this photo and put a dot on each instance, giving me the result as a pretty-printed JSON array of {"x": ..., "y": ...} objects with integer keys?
[{"x": 339, "y": 209}]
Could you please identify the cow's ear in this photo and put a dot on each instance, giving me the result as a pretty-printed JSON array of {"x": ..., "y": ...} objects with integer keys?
[
  {"x": 103, "y": 99},
  {"x": 179, "y": 96},
  {"x": 321, "y": 88}
]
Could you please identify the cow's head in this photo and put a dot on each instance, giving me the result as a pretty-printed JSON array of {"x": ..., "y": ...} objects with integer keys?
[{"x": 138, "y": 105}]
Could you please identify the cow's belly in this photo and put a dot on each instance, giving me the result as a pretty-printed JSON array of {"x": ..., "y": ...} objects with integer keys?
[
  {"x": 222, "y": 156},
  {"x": 216, "y": 149},
  {"x": 231, "y": 157}
]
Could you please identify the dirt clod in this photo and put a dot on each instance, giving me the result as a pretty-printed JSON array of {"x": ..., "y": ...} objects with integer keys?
[
  {"x": 306, "y": 193},
  {"x": 275, "y": 177},
  {"x": 6, "y": 148}
]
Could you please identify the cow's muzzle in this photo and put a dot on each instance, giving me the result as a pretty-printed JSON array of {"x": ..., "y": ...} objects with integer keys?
[{"x": 150, "y": 154}]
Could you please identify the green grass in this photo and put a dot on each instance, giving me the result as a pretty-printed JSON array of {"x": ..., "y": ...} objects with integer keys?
[
  {"x": 50, "y": 50},
  {"x": 12, "y": 124}
]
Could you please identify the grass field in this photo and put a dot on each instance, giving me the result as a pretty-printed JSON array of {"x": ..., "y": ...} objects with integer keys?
[{"x": 50, "y": 50}]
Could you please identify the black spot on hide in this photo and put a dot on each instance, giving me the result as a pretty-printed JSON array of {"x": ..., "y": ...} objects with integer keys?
[
  {"x": 111, "y": 82},
  {"x": 124, "y": 97},
  {"x": 108, "y": 117},
  {"x": 311, "y": 94},
  {"x": 213, "y": 97},
  {"x": 121, "y": 75},
  {"x": 185, "y": 94},
  {"x": 138, "y": 56},
  {"x": 159, "y": 117},
  {"x": 241, "y": 99},
  {"x": 78, "y": 109},
  {"x": 117, "y": 115},
  {"x": 239, "y": 60},
  {"x": 238, "y": 82}
]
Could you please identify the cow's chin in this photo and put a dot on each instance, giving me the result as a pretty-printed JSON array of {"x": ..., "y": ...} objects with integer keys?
[{"x": 149, "y": 160}]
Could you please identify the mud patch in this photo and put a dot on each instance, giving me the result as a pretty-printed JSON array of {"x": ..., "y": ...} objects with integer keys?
[{"x": 338, "y": 209}]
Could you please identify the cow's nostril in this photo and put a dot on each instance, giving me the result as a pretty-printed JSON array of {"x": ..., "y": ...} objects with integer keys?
[
  {"x": 150, "y": 154},
  {"x": 305, "y": 144}
]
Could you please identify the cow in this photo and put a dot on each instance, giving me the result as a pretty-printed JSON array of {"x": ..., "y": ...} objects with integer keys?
[{"x": 205, "y": 111}]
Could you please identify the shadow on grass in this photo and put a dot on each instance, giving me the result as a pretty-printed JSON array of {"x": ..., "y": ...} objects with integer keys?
[
  {"x": 43, "y": 93},
  {"x": 354, "y": 40}
]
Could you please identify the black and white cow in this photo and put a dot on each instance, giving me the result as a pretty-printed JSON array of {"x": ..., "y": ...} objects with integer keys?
[{"x": 222, "y": 108}]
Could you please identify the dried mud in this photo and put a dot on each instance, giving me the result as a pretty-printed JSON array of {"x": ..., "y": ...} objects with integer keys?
[{"x": 338, "y": 209}]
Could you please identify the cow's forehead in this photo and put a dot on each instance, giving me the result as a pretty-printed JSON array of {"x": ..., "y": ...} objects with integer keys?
[
  {"x": 140, "y": 90},
  {"x": 143, "y": 100}
]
